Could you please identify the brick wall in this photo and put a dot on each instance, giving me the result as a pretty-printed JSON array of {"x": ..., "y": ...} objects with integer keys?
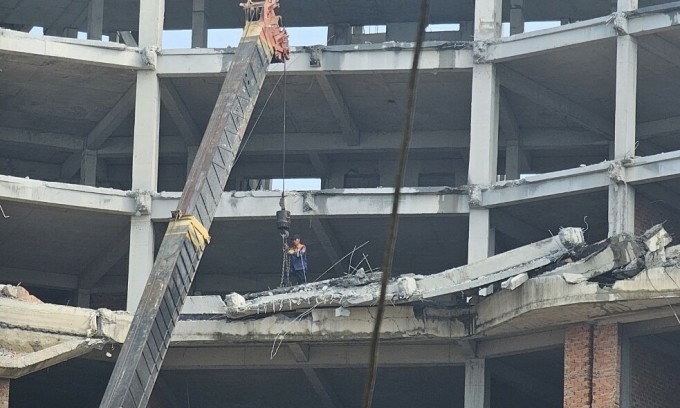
[
  {"x": 654, "y": 379},
  {"x": 606, "y": 366},
  {"x": 649, "y": 213},
  {"x": 4, "y": 393},
  {"x": 578, "y": 343},
  {"x": 592, "y": 366}
]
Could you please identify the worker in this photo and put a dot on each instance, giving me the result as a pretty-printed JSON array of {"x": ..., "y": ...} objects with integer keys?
[{"x": 298, "y": 257}]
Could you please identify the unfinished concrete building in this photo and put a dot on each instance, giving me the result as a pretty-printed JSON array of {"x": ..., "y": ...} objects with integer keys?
[{"x": 536, "y": 157}]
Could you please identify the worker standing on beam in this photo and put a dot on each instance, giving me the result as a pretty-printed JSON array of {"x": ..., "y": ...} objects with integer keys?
[{"x": 298, "y": 255}]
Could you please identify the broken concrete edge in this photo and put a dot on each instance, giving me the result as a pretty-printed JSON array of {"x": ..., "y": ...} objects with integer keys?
[
  {"x": 653, "y": 287},
  {"x": 49, "y": 318},
  {"x": 364, "y": 290},
  {"x": 17, "y": 366},
  {"x": 531, "y": 307}
]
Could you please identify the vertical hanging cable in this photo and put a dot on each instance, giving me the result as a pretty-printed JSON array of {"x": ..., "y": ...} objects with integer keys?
[
  {"x": 394, "y": 220},
  {"x": 283, "y": 172}
]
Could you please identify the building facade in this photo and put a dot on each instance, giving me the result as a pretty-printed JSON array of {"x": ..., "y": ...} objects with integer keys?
[{"x": 516, "y": 135}]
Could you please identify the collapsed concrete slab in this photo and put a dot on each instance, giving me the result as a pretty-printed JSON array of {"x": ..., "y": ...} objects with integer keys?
[
  {"x": 364, "y": 289},
  {"x": 36, "y": 335}
]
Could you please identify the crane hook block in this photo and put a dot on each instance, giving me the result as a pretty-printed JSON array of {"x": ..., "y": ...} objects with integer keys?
[{"x": 283, "y": 222}]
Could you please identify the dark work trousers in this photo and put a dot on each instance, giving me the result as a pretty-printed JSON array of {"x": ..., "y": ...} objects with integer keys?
[{"x": 300, "y": 276}]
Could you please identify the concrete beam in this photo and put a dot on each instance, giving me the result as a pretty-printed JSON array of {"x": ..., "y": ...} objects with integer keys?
[
  {"x": 45, "y": 279},
  {"x": 508, "y": 224},
  {"x": 659, "y": 127},
  {"x": 339, "y": 108},
  {"x": 342, "y": 202},
  {"x": 323, "y": 388},
  {"x": 326, "y": 237},
  {"x": 541, "y": 95},
  {"x": 87, "y": 52},
  {"x": 101, "y": 132},
  {"x": 341, "y": 59},
  {"x": 321, "y": 165},
  {"x": 542, "y": 41},
  {"x": 526, "y": 383},
  {"x": 548, "y": 185},
  {"x": 106, "y": 200},
  {"x": 95, "y": 19},
  {"x": 105, "y": 260},
  {"x": 19, "y": 366},
  {"x": 574, "y": 34},
  {"x": 653, "y": 168},
  {"x": 180, "y": 114},
  {"x": 355, "y": 355},
  {"x": 661, "y": 48},
  {"x": 358, "y": 290},
  {"x": 30, "y": 138}
]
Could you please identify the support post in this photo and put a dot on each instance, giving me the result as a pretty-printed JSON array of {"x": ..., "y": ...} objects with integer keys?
[
  {"x": 199, "y": 25},
  {"x": 145, "y": 152},
  {"x": 477, "y": 384},
  {"x": 88, "y": 168},
  {"x": 339, "y": 34},
  {"x": 621, "y": 195},
  {"x": 483, "y": 127},
  {"x": 516, "y": 16},
  {"x": 95, "y": 19}
]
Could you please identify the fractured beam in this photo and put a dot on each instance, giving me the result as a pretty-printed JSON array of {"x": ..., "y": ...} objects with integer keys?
[
  {"x": 339, "y": 108},
  {"x": 541, "y": 95},
  {"x": 358, "y": 290}
]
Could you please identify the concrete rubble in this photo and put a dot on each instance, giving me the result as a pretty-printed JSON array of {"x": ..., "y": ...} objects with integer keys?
[
  {"x": 638, "y": 273},
  {"x": 565, "y": 255},
  {"x": 35, "y": 335}
]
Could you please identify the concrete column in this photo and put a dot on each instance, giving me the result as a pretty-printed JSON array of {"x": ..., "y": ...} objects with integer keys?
[
  {"x": 516, "y": 16},
  {"x": 467, "y": 30},
  {"x": 401, "y": 32},
  {"x": 71, "y": 32},
  {"x": 83, "y": 298},
  {"x": 88, "y": 168},
  {"x": 145, "y": 151},
  {"x": 95, "y": 19},
  {"x": 477, "y": 384},
  {"x": 339, "y": 34},
  {"x": 144, "y": 178},
  {"x": 621, "y": 195},
  {"x": 483, "y": 127},
  {"x": 141, "y": 259},
  {"x": 512, "y": 170},
  {"x": 151, "y": 14},
  {"x": 199, "y": 25},
  {"x": 4, "y": 393}
]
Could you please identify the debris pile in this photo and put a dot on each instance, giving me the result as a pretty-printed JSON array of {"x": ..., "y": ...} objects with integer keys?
[
  {"x": 19, "y": 293},
  {"x": 566, "y": 255}
]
